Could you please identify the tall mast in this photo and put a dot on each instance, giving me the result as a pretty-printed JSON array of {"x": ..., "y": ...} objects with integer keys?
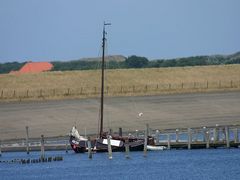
[{"x": 102, "y": 81}]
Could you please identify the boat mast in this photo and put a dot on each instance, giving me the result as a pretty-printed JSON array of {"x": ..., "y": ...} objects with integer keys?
[{"x": 102, "y": 81}]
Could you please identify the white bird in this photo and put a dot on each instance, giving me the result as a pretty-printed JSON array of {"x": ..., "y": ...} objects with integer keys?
[{"x": 140, "y": 114}]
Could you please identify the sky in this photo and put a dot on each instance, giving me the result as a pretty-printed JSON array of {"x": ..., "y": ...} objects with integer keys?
[{"x": 48, "y": 30}]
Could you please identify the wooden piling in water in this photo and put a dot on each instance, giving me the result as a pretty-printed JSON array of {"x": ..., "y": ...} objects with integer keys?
[
  {"x": 145, "y": 140},
  {"x": 207, "y": 136},
  {"x": 177, "y": 135},
  {"x": 27, "y": 140},
  {"x": 120, "y": 131},
  {"x": 236, "y": 135},
  {"x": 227, "y": 137},
  {"x": 89, "y": 148},
  {"x": 189, "y": 138},
  {"x": 0, "y": 147},
  {"x": 215, "y": 135},
  {"x": 157, "y": 137},
  {"x": 169, "y": 141},
  {"x": 109, "y": 147},
  {"x": 42, "y": 148},
  {"x": 127, "y": 149}
]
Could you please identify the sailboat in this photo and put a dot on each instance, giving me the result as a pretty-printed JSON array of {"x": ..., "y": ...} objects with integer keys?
[{"x": 100, "y": 144}]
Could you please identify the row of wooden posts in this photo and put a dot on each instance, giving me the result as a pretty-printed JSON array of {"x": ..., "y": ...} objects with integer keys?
[{"x": 122, "y": 89}]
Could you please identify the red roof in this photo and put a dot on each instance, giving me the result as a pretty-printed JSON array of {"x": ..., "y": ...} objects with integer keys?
[{"x": 36, "y": 67}]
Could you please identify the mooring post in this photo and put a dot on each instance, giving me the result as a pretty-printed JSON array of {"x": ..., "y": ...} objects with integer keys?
[
  {"x": 169, "y": 141},
  {"x": 215, "y": 135},
  {"x": 89, "y": 148},
  {"x": 145, "y": 140},
  {"x": 189, "y": 138},
  {"x": 236, "y": 135},
  {"x": 42, "y": 148},
  {"x": 177, "y": 135},
  {"x": 127, "y": 148},
  {"x": 207, "y": 139},
  {"x": 157, "y": 137},
  {"x": 120, "y": 131},
  {"x": 227, "y": 136},
  {"x": 66, "y": 147},
  {"x": 27, "y": 140},
  {"x": 109, "y": 147},
  {"x": 0, "y": 147}
]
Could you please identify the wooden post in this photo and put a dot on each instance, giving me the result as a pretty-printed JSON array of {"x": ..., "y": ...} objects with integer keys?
[
  {"x": 182, "y": 85},
  {"x": 27, "y": 140},
  {"x": 0, "y": 147},
  {"x": 120, "y": 132},
  {"x": 231, "y": 84},
  {"x": 177, "y": 135},
  {"x": 68, "y": 91},
  {"x": 27, "y": 93},
  {"x": 42, "y": 148},
  {"x": 127, "y": 149},
  {"x": 157, "y": 137},
  {"x": 169, "y": 141},
  {"x": 145, "y": 140},
  {"x": 236, "y": 135},
  {"x": 215, "y": 135},
  {"x": 189, "y": 138},
  {"x": 169, "y": 86},
  {"x": 109, "y": 147},
  {"x": 207, "y": 139},
  {"x": 89, "y": 148},
  {"x": 227, "y": 136},
  {"x": 2, "y": 94},
  {"x": 14, "y": 93},
  {"x": 146, "y": 88}
]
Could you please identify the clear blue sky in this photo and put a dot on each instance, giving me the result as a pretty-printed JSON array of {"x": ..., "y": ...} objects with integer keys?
[{"x": 47, "y": 30}]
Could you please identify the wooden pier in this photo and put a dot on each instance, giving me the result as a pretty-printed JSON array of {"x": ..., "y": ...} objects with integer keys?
[{"x": 226, "y": 136}]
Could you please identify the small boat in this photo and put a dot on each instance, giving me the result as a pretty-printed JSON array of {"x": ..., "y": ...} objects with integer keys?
[
  {"x": 80, "y": 144},
  {"x": 156, "y": 148}
]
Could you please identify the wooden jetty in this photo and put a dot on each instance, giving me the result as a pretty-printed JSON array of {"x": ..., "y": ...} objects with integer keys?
[{"x": 199, "y": 137}]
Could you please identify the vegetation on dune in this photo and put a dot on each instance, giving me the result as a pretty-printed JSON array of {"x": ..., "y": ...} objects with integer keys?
[{"x": 120, "y": 62}]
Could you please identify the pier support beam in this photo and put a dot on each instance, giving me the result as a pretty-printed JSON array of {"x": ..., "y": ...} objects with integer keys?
[
  {"x": 27, "y": 140},
  {"x": 89, "y": 148},
  {"x": 127, "y": 149},
  {"x": 207, "y": 138},
  {"x": 227, "y": 136},
  {"x": 189, "y": 138},
  {"x": 215, "y": 135},
  {"x": 236, "y": 135},
  {"x": 42, "y": 148},
  {"x": 157, "y": 137},
  {"x": 109, "y": 147},
  {"x": 120, "y": 131},
  {"x": 177, "y": 135},
  {"x": 169, "y": 141},
  {"x": 145, "y": 140},
  {"x": 0, "y": 147}
]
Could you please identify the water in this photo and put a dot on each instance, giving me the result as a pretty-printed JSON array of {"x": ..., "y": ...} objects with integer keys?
[{"x": 172, "y": 164}]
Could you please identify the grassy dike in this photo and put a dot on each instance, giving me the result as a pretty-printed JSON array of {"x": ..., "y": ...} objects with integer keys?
[{"x": 119, "y": 82}]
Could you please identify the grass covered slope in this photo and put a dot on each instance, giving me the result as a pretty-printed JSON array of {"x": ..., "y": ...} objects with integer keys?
[{"x": 117, "y": 80}]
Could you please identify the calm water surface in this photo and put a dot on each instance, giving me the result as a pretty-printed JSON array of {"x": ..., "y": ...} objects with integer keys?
[{"x": 173, "y": 164}]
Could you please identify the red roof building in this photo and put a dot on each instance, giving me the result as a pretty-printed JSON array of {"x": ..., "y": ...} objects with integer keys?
[{"x": 34, "y": 67}]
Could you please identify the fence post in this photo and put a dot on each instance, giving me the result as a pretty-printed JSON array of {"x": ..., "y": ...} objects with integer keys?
[
  {"x": 121, "y": 89},
  {"x": 182, "y": 85},
  {"x": 146, "y": 88},
  {"x": 2, "y": 94},
  {"x": 27, "y": 140},
  {"x": 14, "y": 93},
  {"x": 68, "y": 91},
  {"x": 157, "y": 86}
]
